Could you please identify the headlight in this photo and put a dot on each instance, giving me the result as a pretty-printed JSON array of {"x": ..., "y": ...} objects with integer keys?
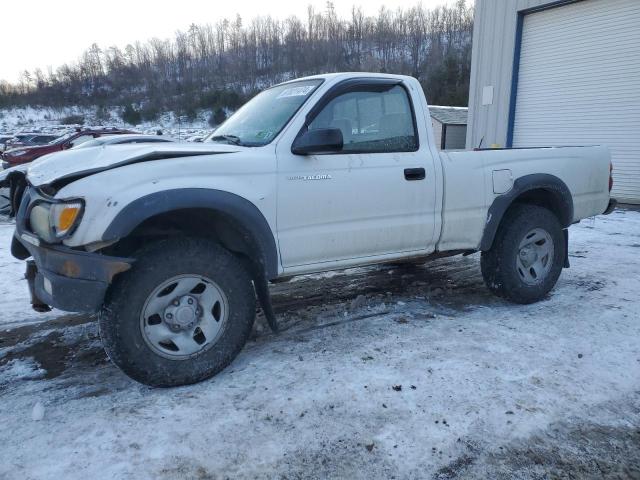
[{"x": 54, "y": 221}]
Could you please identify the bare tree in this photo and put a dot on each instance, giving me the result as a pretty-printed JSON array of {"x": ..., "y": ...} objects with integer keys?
[{"x": 218, "y": 66}]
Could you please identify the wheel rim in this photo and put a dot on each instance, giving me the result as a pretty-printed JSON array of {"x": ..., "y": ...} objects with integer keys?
[
  {"x": 535, "y": 256},
  {"x": 184, "y": 316}
]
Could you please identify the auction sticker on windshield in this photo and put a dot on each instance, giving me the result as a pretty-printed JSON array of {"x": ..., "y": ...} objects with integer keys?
[{"x": 296, "y": 91}]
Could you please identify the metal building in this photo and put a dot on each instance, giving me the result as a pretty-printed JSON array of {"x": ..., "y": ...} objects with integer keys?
[
  {"x": 559, "y": 73},
  {"x": 449, "y": 126}
]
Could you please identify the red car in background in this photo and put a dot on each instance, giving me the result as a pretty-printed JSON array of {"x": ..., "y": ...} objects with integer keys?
[
  {"x": 21, "y": 155},
  {"x": 30, "y": 140}
]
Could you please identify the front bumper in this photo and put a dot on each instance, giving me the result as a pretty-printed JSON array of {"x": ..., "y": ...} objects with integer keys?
[
  {"x": 67, "y": 279},
  {"x": 64, "y": 278}
]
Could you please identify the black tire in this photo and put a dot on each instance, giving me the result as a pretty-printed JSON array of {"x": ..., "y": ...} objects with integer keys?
[
  {"x": 499, "y": 264},
  {"x": 119, "y": 318}
]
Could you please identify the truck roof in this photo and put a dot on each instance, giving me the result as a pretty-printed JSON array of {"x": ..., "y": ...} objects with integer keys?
[{"x": 347, "y": 75}]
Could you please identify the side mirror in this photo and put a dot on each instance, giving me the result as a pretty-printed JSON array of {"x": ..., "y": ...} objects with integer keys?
[{"x": 320, "y": 140}]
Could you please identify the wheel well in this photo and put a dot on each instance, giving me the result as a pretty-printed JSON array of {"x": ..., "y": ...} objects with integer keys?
[
  {"x": 553, "y": 195},
  {"x": 196, "y": 222},
  {"x": 16, "y": 184},
  {"x": 548, "y": 199}
]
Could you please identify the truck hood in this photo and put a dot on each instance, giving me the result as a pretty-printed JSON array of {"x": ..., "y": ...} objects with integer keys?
[{"x": 78, "y": 163}]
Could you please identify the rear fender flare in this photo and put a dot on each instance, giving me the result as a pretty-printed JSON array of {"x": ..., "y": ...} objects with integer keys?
[{"x": 560, "y": 196}]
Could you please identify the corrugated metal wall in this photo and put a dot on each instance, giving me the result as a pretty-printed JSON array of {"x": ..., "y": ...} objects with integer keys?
[
  {"x": 494, "y": 35},
  {"x": 456, "y": 137},
  {"x": 578, "y": 82}
]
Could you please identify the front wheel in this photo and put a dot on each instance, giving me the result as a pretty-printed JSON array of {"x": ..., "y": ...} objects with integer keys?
[
  {"x": 180, "y": 315},
  {"x": 527, "y": 255}
]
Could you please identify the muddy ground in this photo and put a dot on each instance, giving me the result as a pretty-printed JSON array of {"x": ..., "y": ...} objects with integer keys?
[{"x": 402, "y": 371}]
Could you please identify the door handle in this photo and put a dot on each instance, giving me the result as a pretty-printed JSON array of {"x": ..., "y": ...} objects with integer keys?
[{"x": 414, "y": 174}]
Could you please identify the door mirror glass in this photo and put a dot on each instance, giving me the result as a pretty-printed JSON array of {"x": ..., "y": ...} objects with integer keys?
[{"x": 319, "y": 140}]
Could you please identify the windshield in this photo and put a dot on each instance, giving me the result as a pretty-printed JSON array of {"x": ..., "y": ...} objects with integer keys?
[
  {"x": 261, "y": 119},
  {"x": 61, "y": 139},
  {"x": 96, "y": 142}
]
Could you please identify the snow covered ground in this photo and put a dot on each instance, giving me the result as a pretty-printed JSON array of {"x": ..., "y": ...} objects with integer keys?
[{"x": 381, "y": 372}]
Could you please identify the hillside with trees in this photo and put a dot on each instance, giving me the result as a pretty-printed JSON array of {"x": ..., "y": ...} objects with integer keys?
[{"x": 216, "y": 67}]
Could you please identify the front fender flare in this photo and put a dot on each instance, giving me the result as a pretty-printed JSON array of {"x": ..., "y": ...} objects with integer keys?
[{"x": 241, "y": 210}]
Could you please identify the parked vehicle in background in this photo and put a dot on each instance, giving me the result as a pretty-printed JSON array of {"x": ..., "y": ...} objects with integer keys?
[
  {"x": 124, "y": 139},
  {"x": 31, "y": 139},
  {"x": 17, "y": 172},
  {"x": 18, "y": 139},
  {"x": 13, "y": 157},
  {"x": 5, "y": 200},
  {"x": 4, "y": 139},
  {"x": 171, "y": 244},
  {"x": 12, "y": 177}
]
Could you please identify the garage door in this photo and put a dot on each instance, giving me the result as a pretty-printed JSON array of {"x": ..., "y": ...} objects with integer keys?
[{"x": 579, "y": 83}]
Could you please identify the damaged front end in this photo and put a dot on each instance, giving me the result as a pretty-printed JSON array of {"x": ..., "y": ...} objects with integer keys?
[{"x": 61, "y": 277}]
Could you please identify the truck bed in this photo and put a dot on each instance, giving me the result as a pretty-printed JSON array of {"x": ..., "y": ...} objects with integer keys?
[{"x": 486, "y": 174}]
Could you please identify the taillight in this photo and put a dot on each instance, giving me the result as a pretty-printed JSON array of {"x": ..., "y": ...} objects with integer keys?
[{"x": 610, "y": 176}]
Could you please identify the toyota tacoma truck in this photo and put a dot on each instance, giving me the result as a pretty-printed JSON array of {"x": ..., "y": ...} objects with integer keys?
[{"x": 174, "y": 244}]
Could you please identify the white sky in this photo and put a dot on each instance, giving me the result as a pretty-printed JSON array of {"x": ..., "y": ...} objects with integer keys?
[{"x": 44, "y": 33}]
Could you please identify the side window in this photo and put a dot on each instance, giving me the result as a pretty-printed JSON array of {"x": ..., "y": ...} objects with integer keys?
[
  {"x": 80, "y": 139},
  {"x": 371, "y": 121}
]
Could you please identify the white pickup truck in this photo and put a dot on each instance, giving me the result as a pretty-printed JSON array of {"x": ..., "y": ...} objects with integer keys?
[{"x": 172, "y": 243}]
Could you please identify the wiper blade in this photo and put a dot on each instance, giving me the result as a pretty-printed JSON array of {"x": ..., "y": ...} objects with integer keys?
[{"x": 233, "y": 139}]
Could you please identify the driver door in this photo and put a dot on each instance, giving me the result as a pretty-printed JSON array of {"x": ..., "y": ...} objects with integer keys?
[{"x": 373, "y": 198}]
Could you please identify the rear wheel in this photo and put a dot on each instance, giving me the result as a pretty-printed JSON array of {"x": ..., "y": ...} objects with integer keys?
[
  {"x": 527, "y": 255},
  {"x": 180, "y": 315}
]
